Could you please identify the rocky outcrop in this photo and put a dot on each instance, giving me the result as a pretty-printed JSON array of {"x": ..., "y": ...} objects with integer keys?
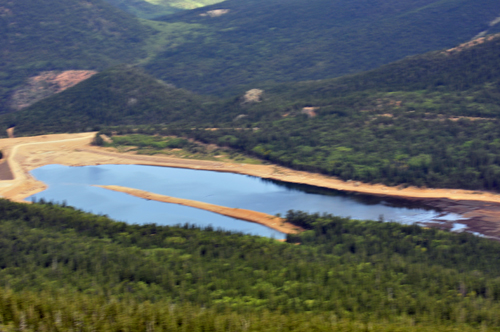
[
  {"x": 252, "y": 96},
  {"x": 215, "y": 12},
  {"x": 310, "y": 111}
]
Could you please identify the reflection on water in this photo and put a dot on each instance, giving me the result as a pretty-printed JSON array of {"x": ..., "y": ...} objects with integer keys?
[
  {"x": 73, "y": 185},
  {"x": 358, "y": 197}
]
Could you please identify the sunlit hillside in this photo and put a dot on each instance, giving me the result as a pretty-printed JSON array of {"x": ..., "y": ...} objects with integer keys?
[{"x": 155, "y": 8}]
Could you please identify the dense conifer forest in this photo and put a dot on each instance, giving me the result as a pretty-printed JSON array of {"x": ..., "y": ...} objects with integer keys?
[
  {"x": 430, "y": 120},
  {"x": 64, "y": 269},
  {"x": 296, "y": 40}
]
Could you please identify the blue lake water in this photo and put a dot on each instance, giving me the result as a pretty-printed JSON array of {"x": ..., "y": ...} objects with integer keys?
[{"x": 74, "y": 186}]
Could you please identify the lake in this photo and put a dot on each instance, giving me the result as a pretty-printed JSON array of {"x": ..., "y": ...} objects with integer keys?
[{"x": 73, "y": 185}]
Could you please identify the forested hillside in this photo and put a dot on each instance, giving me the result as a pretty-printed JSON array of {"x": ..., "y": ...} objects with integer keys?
[
  {"x": 63, "y": 269},
  {"x": 46, "y": 35},
  {"x": 212, "y": 50},
  {"x": 121, "y": 95},
  {"x": 428, "y": 120},
  {"x": 260, "y": 40}
]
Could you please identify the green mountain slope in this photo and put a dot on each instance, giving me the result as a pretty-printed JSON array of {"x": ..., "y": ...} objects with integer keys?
[
  {"x": 429, "y": 120},
  {"x": 37, "y": 36},
  {"x": 254, "y": 41},
  {"x": 117, "y": 96},
  {"x": 62, "y": 269},
  {"x": 298, "y": 40}
]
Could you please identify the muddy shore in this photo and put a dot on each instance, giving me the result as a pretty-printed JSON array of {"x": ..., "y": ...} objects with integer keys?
[
  {"x": 481, "y": 209},
  {"x": 479, "y": 217}
]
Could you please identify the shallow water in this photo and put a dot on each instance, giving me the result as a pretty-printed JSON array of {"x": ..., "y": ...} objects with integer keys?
[{"x": 73, "y": 185}]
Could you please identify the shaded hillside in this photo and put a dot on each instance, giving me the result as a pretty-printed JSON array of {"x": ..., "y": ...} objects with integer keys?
[
  {"x": 37, "y": 36},
  {"x": 465, "y": 66},
  {"x": 297, "y": 40},
  {"x": 118, "y": 96},
  {"x": 62, "y": 269}
]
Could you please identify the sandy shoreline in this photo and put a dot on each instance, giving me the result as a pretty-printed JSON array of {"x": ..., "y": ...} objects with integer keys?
[
  {"x": 265, "y": 219},
  {"x": 27, "y": 153}
]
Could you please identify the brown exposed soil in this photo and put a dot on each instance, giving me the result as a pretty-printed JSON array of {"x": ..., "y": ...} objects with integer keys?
[
  {"x": 5, "y": 172},
  {"x": 46, "y": 84},
  {"x": 10, "y": 132},
  {"x": 26, "y": 153},
  {"x": 479, "y": 217}
]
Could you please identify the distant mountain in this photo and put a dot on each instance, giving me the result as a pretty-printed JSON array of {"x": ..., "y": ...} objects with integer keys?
[
  {"x": 118, "y": 96},
  {"x": 246, "y": 41},
  {"x": 155, "y": 8},
  {"x": 38, "y": 36}
]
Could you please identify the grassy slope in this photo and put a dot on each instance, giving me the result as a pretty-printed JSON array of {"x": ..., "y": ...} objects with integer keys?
[{"x": 155, "y": 8}]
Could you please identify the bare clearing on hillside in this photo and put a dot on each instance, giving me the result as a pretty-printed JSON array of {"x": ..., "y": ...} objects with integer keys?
[{"x": 46, "y": 84}]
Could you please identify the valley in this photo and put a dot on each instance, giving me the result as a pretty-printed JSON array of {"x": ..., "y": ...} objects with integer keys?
[{"x": 249, "y": 165}]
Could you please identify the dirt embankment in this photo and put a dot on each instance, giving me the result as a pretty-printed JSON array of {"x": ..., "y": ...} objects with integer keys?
[
  {"x": 26, "y": 153},
  {"x": 265, "y": 219}
]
